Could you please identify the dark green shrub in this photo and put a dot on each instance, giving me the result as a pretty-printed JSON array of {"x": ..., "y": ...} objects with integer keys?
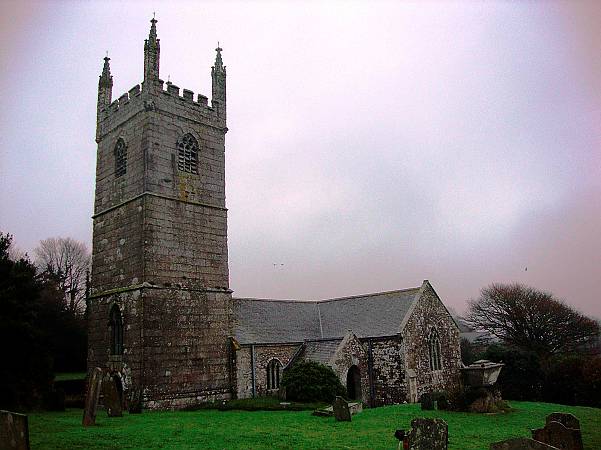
[
  {"x": 522, "y": 377},
  {"x": 573, "y": 380},
  {"x": 309, "y": 381}
]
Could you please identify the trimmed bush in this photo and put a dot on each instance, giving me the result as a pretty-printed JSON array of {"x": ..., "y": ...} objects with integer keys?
[{"x": 309, "y": 381}]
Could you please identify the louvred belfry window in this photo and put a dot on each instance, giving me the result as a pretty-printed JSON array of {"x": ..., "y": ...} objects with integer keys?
[
  {"x": 120, "y": 158},
  {"x": 187, "y": 154}
]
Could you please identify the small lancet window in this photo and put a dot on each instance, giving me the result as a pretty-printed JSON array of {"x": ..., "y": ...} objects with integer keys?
[
  {"x": 187, "y": 154},
  {"x": 434, "y": 350},
  {"x": 273, "y": 374},
  {"x": 120, "y": 158},
  {"x": 116, "y": 324}
]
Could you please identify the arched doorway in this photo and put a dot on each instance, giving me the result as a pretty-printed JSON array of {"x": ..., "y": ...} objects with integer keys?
[{"x": 353, "y": 383}]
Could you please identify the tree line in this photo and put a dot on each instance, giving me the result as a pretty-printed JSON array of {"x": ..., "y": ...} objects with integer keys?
[
  {"x": 551, "y": 351},
  {"x": 42, "y": 312}
]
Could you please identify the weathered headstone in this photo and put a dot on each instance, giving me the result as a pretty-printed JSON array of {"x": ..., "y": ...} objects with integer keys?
[
  {"x": 342, "y": 412},
  {"x": 135, "y": 401},
  {"x": 442, "y": 403},
  {"x": 14, "y": 431},
  {"x": 566, "y": 419},
  {"x": 427, "y": 402},
  {"x": 558, "y": 435},
  {"x": 112, "y": 397},
  {"x": 521, "y": 443},
  {"x": 355, "y": 408},
  {"x": 428, "y": 434},
  {"x": 92, "y": 395}
]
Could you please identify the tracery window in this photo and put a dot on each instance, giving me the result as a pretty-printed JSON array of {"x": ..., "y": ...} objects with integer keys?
[
  {"x": 116, "y": 324},
  {"x": 120, "y": 158},
  {"x": 273, "y": 374},
  {"x": 187, "y": 154},
  {"x": 434, "y": 350}
]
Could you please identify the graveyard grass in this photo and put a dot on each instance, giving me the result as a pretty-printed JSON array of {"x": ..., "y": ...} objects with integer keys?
[{"x": 213, "y": 429}]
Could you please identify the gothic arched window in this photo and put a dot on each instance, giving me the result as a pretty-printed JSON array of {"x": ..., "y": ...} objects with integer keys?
[
  {"x": 116, "y": 324},
  {"x": 434, "y": 350},
  {"x": 187, "y": 154},
  {"x": 273, "y": 374},
  {"x": 120, "y": 158}
]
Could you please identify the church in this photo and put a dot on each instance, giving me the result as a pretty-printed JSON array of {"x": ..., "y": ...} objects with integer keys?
[{"x": 161, "y": 316}]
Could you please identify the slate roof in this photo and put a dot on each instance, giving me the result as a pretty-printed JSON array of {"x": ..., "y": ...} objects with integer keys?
[
  {"x": 321, "y": 351},
  {"x": 273, "y": 321}
]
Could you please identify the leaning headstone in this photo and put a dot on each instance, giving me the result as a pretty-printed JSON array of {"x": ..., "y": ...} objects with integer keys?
[
  {"x": 111, "y": 396},
  {"x": 558, "y": 435},
  {"x": 427, "y": 402},
  {"x": 428, "y": 434},
  {"x": 566, "y": 419},
  {"x": 135, "y": 401},
  {"x": 92, "y": 395},
  {"x": 521, "y": 443},
  {"x": 342, "y": 412},
  {"x": 14, "y": 431}
]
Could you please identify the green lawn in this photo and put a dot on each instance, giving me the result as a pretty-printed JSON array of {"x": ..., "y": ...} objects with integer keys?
[
  {"x": 211, "y": 429},
  {"x": 66, "y": 376}
]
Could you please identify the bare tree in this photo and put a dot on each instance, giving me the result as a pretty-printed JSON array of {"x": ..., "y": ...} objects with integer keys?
[
  {"x": 68, "y": 261},
  {"x": 533, "y": 320}
]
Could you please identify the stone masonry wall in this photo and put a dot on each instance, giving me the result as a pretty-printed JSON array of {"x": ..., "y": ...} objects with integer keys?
[
  {"x": 263, "y": 354},
  {"x": 186, "y": 347},
  {"x": 388, "y": 374},
  {"x": 352, "y": 353},
  {"x": 130, "y": 363},
  {"x": 430, "y": 312},
  {"x": 163, "y": 233}
]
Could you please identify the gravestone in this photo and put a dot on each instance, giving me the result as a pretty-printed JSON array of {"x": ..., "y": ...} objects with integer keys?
[
  {"x": 92, "y": 395},
  {"x": 112, "y": 397},
  {"x": 521, "y": 443},
  {"x": 442, "y": 403},
  {"x": 14, "y": 431},
  {"x": 560, "y": 436},
  {"x": 427, "y": 402},
  {"x": 342, "y": 412},
  {"x": 566, "y": 419},
  {"x": 428, "y": 434},
  {"x": 135, "y": 401}
]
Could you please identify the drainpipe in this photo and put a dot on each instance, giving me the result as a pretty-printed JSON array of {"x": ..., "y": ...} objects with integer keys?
[
  {"x": 252, "y": 369},
  {"x": 370, "y": 374}
]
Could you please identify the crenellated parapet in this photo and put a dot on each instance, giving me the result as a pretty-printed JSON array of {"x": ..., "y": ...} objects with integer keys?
[{"x": 153, "y": 94}]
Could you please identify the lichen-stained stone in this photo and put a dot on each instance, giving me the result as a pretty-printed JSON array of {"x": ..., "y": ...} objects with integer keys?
[
  {"x": 92, "y": 396},
  {"x": 560, "y": 436},
  {"x": 428, "y": 434},
  {"x": 14, "y": 431},
  {"x": 160, "y": 239},
  {"x": 342, "y": 412}
]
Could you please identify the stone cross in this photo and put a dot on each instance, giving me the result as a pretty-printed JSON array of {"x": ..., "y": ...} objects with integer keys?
[
  {"x": 14, "y": 431},
  {"x": 342, "y": 412},
  {"x": 92, "y": 395}
]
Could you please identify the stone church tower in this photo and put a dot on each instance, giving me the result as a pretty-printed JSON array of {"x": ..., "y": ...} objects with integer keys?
[{"x": 160, "y": 305}]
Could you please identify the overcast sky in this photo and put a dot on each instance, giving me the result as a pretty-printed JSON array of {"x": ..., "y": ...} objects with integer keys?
[{"x": 371, "y": 145}]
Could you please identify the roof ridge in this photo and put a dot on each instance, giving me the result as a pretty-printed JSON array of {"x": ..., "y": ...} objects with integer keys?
[
  {"x": 368, "y": 295},
  {"x": 373, "y": 294}
]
